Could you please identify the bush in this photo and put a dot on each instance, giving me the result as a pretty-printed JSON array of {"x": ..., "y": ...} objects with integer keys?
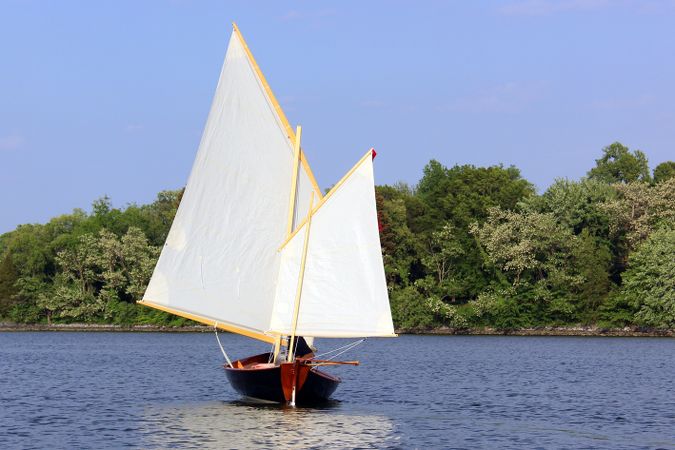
[
  {"x": 409, "y": 309},
  {"x": 25, "y": 313}
]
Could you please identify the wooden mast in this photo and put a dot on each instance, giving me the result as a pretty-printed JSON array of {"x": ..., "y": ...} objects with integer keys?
[
  {"x": 298, "y": 292},
  {"x": 292, "y": 375},
  {"x": 291, "y": 210},
  {"x": 299, "y": 155},
  {"x": 325, "y": 198},
  {"x": 294, "y": 182}
]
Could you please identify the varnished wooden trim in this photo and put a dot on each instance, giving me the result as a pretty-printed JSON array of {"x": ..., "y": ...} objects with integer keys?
[
  {"x": 211, "y": 322},
  {"x": 277, "y": 107}
]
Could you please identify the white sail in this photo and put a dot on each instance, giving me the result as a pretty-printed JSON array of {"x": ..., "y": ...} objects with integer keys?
[
  {"x": 304, "y": 189},
  {"x": 344, "y": 290},
  {"x": 220, "y": 262}
]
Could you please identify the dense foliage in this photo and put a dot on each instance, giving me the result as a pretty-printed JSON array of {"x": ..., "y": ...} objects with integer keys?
[
  {"x": 83, "y": 267},
  {"x": 466, "y": 247},
  {"x": 476, "y": 247}
]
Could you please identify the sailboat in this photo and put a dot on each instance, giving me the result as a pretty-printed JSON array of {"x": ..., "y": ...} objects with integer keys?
[{"x": 256, "y": 248}]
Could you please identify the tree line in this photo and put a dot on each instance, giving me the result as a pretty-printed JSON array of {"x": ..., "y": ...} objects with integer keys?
[
  {"x": 86, "y": 267},
  {"x": 467, "y": 247}
]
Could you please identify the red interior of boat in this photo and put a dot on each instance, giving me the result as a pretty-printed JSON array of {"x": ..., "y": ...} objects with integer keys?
[{"x": 258, "y": 362}]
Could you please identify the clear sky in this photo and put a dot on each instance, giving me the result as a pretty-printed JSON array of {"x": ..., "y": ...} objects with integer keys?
[{"x": 110, "y": 97}]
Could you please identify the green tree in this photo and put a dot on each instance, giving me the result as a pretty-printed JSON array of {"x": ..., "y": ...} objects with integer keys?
[
  {"x": 619, "y": 165},
  {"x": 638, "y": 209},
  {"x": 8, "y": 290},
  {"x": 463, "y": 194},
  {"x": 138, "y": 262},
  {"x": 578, "y": 206},
  {"x": 34, "y": 292},
  {"x": 443, "y": 253},
  {"x": 575, "y": 204},
  {"x": 649, "y": 282},
  {"x": 592, "y": 261},
  {"x": 398, "y": 243},
  {"x": 154, "y": 219},
  {"x": 664, "y": 171},
  {"x": 535, "y": 253},
  {"x": 522, "y": 243},
  {"x": 108, "y": 261},
  {"x": 460, "y": 196},
  {"x": 75, "y": 285},
  {"x": 467, "y": 246},
  {"x": 83, "y": 266},
  {"x": 29, "y": 247},
  {"x": 409, "y": 309}
]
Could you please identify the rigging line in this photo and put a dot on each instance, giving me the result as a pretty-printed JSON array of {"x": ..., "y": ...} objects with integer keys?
[
  {"x": 327, "y": 361},
  {"x": 343, "y": 351},
  {"x": 295, "y": 349},
  {"x": 350, "y": 345},
  {"x": 273, "y": 350},
  {"x": 347, "y": 347},
  {"x": 269, "y": 358},
  {"x": 215, "y": 328}
]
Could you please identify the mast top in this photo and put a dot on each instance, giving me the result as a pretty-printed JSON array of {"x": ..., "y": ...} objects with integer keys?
[{"x": 290, "y": 134}]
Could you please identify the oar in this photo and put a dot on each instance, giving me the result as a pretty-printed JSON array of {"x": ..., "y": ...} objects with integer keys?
[{"x": 324, "y": 362}]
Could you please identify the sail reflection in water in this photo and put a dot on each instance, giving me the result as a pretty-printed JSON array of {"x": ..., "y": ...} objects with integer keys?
[{"x": 237, "y": 425}]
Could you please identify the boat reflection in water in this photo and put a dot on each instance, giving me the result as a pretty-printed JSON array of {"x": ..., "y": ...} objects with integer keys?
[{"x": 241, "y": 425}]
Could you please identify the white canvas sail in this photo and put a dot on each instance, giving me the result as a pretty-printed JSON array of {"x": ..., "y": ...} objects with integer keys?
[
  {"x": 304, "y": 189},
  {"x": 220, "y": 261},
  {"x": 344, "y": 291}
]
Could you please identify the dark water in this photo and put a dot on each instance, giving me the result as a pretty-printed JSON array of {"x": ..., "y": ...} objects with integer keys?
[{"x": 155, "y": 390}]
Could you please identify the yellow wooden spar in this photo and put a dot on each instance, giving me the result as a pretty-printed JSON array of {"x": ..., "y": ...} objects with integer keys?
[
  {"x": 221, "y": 326},
  {"x": 188, "y": 301},
  {"x": 298, "y": 291},
  {"x": 277, "y": 108},
  {"x": 294, "y": 182},
  {"x": 291, "y": 212},
  {"x": 299, "y": 155}
]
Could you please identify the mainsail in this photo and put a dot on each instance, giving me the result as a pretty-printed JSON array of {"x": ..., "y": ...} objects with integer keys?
[
  {"x": 220, "y": 261},
  {"x": 229, "y": 261}
]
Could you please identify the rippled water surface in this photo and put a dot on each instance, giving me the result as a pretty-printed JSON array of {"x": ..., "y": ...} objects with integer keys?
[{"x": 168, "y": 390}]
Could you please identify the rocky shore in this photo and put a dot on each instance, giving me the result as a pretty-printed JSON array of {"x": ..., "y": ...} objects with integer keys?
[
  {"x": 542, "y": 331},
  {"x": 100, "y": 327},
  {"x": 546, "y": 331}
]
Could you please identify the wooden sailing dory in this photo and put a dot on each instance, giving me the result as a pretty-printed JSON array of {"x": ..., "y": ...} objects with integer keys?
[{"x": 256, "y": 249}]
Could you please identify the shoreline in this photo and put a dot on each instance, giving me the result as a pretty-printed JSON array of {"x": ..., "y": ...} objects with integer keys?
[
  {"x": 95, "y": 327},
  {"x": 587, "y": 331},
  {"x": 441, "y": 331}
]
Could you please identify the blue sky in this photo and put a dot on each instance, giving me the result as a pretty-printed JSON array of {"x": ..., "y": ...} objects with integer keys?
[{"x": 110, "y": 97}]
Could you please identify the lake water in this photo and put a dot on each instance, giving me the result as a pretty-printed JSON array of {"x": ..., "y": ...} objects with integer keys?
[{"x": 168, "y": 390}]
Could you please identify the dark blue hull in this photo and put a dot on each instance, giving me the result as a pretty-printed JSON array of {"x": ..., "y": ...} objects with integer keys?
[{"x": 264, "y": 383}]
